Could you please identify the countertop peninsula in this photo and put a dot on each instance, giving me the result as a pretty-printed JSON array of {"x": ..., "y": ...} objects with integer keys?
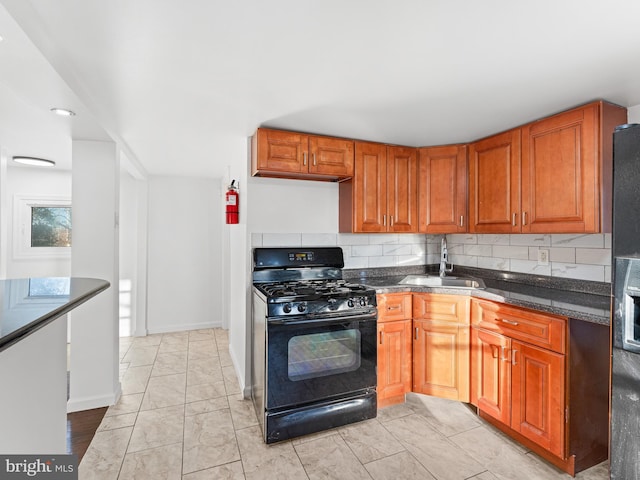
[{"x": 28, "y": 304}]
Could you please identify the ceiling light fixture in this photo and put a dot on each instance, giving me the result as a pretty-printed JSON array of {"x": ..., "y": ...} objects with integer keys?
[
  {"x": 35, "y": 162},
  {"x": 63, "y": 112}
]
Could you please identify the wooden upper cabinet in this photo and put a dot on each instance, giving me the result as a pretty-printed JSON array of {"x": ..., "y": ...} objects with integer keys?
[
  {"x": 566, "y": 165},
  {"x": 402, "y": 189},
  {"x": 549, "y": 176},
  {"x": 278, "y": 153},
  {"x": 382, "y": 195},
  {"x": 442, "y": 189},
  {"x": 494, "y": 184}
]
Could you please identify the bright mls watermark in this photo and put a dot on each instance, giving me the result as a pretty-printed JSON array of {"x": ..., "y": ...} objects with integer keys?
[{"x": 48, "y": 467}]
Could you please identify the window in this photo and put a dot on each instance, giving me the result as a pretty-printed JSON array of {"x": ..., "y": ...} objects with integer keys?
[
  {"x": 42, "y": 227},
  {"x": 50, "y": 226}
]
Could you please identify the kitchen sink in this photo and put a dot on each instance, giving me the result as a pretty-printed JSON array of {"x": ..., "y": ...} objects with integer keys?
[{"x": 448, "y": 282}]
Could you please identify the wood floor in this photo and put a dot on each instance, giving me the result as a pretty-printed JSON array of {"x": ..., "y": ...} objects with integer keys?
[{"x": 81, "y": 427}]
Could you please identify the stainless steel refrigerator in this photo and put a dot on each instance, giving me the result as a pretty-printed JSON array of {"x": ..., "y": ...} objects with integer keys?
[{"x": 625, "y": 242}]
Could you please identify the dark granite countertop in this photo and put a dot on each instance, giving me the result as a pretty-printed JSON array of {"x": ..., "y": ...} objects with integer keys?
[
  {"x": 579, "y": 299},
  {"x": 29, "y": 304}
]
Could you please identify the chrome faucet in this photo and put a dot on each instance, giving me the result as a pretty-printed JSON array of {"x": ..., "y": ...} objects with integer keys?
[{"x": 443, "y": 258}]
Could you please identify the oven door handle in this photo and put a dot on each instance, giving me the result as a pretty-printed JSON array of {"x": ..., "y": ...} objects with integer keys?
[{"x": 320, "y": 321}]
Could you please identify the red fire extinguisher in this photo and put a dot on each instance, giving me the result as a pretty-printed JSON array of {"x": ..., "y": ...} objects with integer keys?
[{"x": 232, "y": 203}]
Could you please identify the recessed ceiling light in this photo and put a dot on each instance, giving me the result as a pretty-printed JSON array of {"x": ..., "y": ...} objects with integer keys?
[
  {"x": 63, "y": 112},
  {"x": 33, "y": 161}
]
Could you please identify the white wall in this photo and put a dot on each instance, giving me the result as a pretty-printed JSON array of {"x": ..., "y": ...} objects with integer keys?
[
  {"x": 94, "y": 369},
  {"x": 633, "y": 114},
  {"x": 184, "y": 256},
  {"x": 39, "y": 182}
]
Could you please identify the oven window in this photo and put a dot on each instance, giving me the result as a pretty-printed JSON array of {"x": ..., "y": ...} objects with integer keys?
[{"x": 322, "y": 354}]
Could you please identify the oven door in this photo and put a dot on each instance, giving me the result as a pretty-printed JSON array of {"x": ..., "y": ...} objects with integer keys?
[{"x": 319, "y": 359}]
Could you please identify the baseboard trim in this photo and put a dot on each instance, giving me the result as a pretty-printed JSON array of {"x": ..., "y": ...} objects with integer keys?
[
  {"x": 87, "y": 403},
  {"x": 246, "y": 389},
  {"x": 180, "y": 327}
]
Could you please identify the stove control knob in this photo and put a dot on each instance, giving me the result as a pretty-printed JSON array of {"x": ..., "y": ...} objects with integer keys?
[
  {"x": 301, "y": 307},
  {"x": 332, "y": 303},
  {"x": 363, "y": 302},
  {"x": 350, "y": 303},
  {"x": 286, "y": 308}
]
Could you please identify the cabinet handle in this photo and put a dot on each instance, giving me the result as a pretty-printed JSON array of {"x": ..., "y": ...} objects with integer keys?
[
  {"x": 504, "y": 357},
  {"x": 416, "y": 333},
  {"x": 513, "y": 357},
  {"x": 396, "y": 307},
  {"x": 304, "y": 158},
  {"x": 381, "y": 334},
  {"x": 510, "y": 322},
  {"x": 524, "y": 218},
  {"x": 314, "y": 160},
  {"x": 515, "y": 220},
  {"x": 391, "y": 220},
  {"x": 384, "y": 220},
  {"x": 462, "y": 220}
]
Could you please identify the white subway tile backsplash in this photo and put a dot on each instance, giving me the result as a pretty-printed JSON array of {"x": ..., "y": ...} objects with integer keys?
[
  {"x": 320, "y": 239},
  {"x": 506, "y": 251},
  {"x": 256, "y": 239},
  {"x": 462, "y": 238},
  {"x": 531, "y": 240},
  {"x": 478, "y": 250},
  {"x": 396, "y": 249},
  {"x": 571, "y": 255},
  {"x": 559, "y": 254},
  {"x": 366, "y": 250},
  {"x": 494, "y": 263},
  {"x": 593, "y": 256},
  {"x": 383, "y": 238},
  {"x": 574, "y": 270},
  {"x": 382, "y": 261},
  {"x": 353, "y": 239},
  {"x": 494, "y": 239},
  {"x": 577, "y": 240},
  {"x": 530, "y": 267},
  {"x": 281, "y": 240}
]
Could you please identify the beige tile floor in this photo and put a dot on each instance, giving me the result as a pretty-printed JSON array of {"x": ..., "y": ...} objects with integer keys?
[{"x": 181, "y": 416}]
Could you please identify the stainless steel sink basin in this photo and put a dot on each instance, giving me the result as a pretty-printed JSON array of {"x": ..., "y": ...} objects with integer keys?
[{"x": 447, "y": 282}]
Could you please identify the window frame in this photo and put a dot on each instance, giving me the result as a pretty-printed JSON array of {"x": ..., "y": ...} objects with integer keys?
[{"x": 22, "y": 249}]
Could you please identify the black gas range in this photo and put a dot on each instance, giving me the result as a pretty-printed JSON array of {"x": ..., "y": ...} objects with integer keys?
[{"x": 313, "y": 343}]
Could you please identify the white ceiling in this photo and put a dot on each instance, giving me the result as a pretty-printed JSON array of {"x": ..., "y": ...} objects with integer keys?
[{"x": 175, "y": 81}]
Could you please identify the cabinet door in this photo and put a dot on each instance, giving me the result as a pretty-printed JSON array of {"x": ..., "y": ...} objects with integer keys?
[
  {"x": 402, "y": 189},
  {"x": 442, "y": 189},
  {"x": 492, "y": 374},
  {"x": 441, "y": 359},
  {"x": 494, "y": 184},
  {"x": 538, "y": 396},
  {"x": 370, "y": 188},
  {"x": 280, "y": 151},
  {"x": 394, "y": 361},
  {"x": 331, "y": 156},
  {"x": 561, "y": 174},
  {"x": 441, "y": 307}
]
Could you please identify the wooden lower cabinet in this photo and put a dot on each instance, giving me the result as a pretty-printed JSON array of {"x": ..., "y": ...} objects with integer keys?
[
  {"x": 542, "y": 379},
  {"x": 394, "y": 362},
  {"x": 394, "y": 348},
  {"x": 441, "y": 345}
]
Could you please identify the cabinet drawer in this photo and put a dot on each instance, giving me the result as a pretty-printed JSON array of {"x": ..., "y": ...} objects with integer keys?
[
  {"x": 445, "y": 308},
  {"x": 394, "y": 306},
  {"x": 543, "y": 330}
]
